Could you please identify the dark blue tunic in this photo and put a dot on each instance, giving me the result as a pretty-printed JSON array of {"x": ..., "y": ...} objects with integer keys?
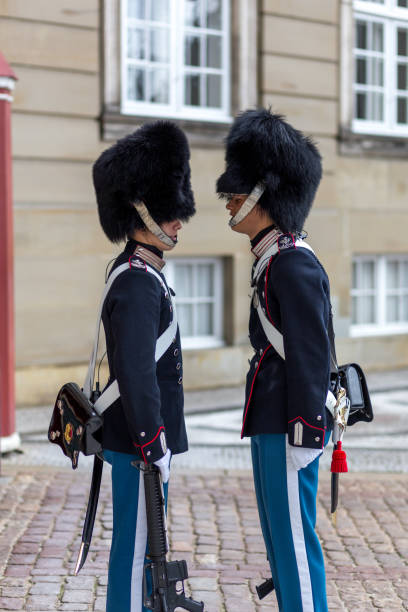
[
  {"x": 295, "y": 295},
  {"x": 135, "y": 313}
]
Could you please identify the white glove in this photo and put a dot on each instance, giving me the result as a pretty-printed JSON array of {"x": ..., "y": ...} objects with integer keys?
[
  {"x": 164, "y": 466},
  {"x": 300, "y": 457}
]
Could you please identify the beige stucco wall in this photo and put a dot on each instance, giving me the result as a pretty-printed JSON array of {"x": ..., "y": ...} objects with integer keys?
[{"x": 60, "y": 250}]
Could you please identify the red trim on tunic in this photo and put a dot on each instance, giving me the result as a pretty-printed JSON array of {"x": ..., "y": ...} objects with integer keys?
[
  {"x": 141, "y": 446},
  {"x": 308, "y": 424},
  {"x": 252, "y": 388}
]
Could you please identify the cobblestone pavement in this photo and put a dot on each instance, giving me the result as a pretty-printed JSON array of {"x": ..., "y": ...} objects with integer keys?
[{"x": 214, "y": 526}]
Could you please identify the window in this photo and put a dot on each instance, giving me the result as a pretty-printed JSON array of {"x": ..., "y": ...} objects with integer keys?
[
  {"x": 380, "y": 89},
  {"x": 175, "y": 58},
  {"x": 198, "y": 283},
  {"x": 379, "y": 294}
]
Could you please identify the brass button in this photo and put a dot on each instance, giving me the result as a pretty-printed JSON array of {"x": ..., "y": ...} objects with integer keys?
[
  {"x": 256, "y": 364},
  {"x": 319, "y": 417},
  {"x": 180, "y": 380},
  {"x": 178, "y": 366},
  {"x": 317, "y": 439},
  {"x": 176, "y": 352},
  {"x": 148, "y": 453},
  {"x": 143, "y": 433}
]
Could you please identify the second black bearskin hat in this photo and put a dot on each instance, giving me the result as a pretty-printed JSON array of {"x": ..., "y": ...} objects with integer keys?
[
  {"x": 152, "y": 166},
  {"x": 262, "y": 147}
]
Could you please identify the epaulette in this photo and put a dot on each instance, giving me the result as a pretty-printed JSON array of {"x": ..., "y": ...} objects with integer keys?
[
  {"x": 137, "y": 262},
  {"x": 285, "y": 242}
]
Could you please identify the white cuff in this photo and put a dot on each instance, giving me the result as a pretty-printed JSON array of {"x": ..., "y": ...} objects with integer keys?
[{"x": 301, "y": 457}]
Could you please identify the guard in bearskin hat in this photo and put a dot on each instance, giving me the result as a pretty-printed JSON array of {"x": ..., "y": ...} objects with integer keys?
[
  {"x": 271, "y": 177},
  {"x": 143, "y": 191}
]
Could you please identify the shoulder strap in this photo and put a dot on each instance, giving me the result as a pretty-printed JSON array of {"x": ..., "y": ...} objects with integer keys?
[
  {"x": 163, "y": 342},
  {"x": 273, "y": 335},
  {"x": 89, "y": 380}
]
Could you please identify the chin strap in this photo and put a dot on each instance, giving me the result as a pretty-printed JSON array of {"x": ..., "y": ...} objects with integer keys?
[
  {"x": 152, "y": 226},
  {"x": 248, "y": 205}
]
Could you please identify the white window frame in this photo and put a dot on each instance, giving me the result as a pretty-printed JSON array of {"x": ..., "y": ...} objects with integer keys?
[
  {"x": 381, "y": 327},
  {"x": 176, "y": 109},
  {"x": 215, "y": 340},
  {"x": 392, "y": 17}
]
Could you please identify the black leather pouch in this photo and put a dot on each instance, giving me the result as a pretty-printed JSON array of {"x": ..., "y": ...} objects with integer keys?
[
  {"x": 353, "y": 380},
  {"x": 75, "y": 426}
]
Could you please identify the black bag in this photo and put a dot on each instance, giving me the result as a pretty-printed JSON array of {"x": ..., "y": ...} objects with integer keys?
[
  {"x": 352, "y": 379},
  {"x": 75, "y": 426}
]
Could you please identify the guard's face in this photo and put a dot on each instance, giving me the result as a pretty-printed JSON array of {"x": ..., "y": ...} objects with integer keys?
[
  {"x": 235, "y": 203},
  {"x": 171, "y": 228}
]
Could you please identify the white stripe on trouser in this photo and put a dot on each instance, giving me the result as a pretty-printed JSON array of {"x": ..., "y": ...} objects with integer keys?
[
  {"x": 136, "y": 588},
  {"x": 298, "y": 535}
]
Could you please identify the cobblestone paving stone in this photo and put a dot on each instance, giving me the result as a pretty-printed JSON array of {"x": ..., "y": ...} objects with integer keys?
[{"x": 213, "y": 525}]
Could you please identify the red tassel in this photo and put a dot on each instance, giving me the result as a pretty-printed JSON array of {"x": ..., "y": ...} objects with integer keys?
[{"x": 339, "y": 460}]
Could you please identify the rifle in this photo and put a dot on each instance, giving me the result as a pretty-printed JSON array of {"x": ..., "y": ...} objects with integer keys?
[{"x": 164, "y": 574}]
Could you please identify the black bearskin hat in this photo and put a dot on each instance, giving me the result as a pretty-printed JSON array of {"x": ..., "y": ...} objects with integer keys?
[
  {"x": 151, "y": 165},
  {"x": 261, "y": 146}
]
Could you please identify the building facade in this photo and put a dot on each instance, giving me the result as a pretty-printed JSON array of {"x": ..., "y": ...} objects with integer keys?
[{"x": 90, "y": 72}]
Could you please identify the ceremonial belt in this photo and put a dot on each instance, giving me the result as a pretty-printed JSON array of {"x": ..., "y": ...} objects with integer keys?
[
  {"x": 112, "y": 392},
  {"x": 274, "y": 335}
]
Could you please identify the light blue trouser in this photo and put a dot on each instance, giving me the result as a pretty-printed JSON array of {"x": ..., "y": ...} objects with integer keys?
[
  {"x": 129, "y": 536},
  {"x": 287, "y": 510}
]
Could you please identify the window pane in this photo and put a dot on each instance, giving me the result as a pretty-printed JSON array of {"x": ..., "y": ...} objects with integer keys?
[
  {"x": 402, "y": 46},
  {"x": 403, "y": 3},
  {"x": 213, "y": 51},
  {"x": 136, "y": 83},
  {"x": 192, "y": 10},
  {"x": 367, "y": 275},
  {"x": 214, "y": 90},
  {"x": 183, "y": 280},
  {"x": 361, "y": 35},
  {"x": 361, "y": 70},
  {"x": 136, "y": 43},
  {"x": 367, "y": 309},
  {"x": 377, "y": 107},
  {"x": 137, "y": 9},
  {"x": 377, "y": 36},
  {"x": 377, "y": 77},
  {"x": 214, "y": 14},
  {"x": 159, "y": 46},
  {"x": 205, "y": 325},
  {"x": 404, "y": 275},
  {"x": 354, "y": 302},
  {"x": 404, "y": 313},
  {"x": 205, "y": 280},
  {"x": 192, "y": 51},
  {"x": 159, "y": 10},
  {"x": 402, "y": 114},
  {"x": 192, "y": 90},
  {"x": 159, "y": 86},
  {"x": 185, "y": 319},
  {"x": 361, "y": 105},
  {"x": 392, "y": 309},
  {"x": 392, "y": 275},
  {"x": 402, "y": 76}
]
